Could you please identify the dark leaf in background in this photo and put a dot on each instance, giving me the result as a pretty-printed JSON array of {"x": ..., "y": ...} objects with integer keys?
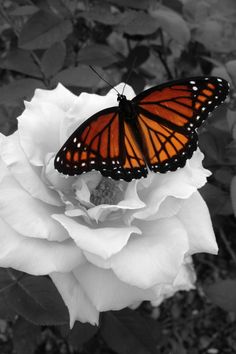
[
  {"x": 80, "y": 334},
  {"x": 231, "y": 120},
  {"x": 221, "y": 71},
  {"x": 224, "y": 175},
  {"x": 6, "y": 312},
  {"x": 53, "y": 59},
  {"x": 175, "y": 5},
  {"x": 126, "y": 332},
  {"x": 102, "y": 15},
  {"x": 37, "y": 300},
  {"x": 233, "y": 193},
  {"x": 213, "y": 143},
  {"x": 25, "y": 10},
  {"x": 208, "y": 145},
  {"x": 7, "y": 279},
  {"x": 78, "y": 76},
  {"x": 137, "y": 57},
  {"x": 230, "y": 153},
  {"x": 226, "y": 8},
  {"x": 218, "y": 200},
  {"x": 213, "y": 34},
  {"x": 21, "y": 61},
  {"x": 42, "y": 30},
  {"x": 139, "y": 5},
  {"x": 25, "y": 336},
  {"x": 19, "y": 90},
  {"x": 136, "y": 81},
  {"x": 60, "y": 8},
  {"x": 138, "y": 23},
  {"x": 223, "y": 294},
  {"x": 97, "y": 55},
  {"x": 231, "y": 69},
  {"x": 172, "y": 23},
  {"x": 196, "y": 11}
]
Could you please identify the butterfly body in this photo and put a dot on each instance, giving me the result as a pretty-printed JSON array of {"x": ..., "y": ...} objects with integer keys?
[{"x": 156, "y": 131}]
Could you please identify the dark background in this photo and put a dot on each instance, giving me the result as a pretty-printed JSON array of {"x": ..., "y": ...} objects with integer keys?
[{"x": 50, "y": 41}]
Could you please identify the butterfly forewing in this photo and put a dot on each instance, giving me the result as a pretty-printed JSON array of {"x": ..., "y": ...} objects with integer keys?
[
  {"x": 94, "y": 145},
  {"x": 104, "y": 143},
  {"x": 184, "y": 103}
]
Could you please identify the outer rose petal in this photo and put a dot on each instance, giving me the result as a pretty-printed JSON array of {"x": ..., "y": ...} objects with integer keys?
[
  {"x": 39, "y": 130},
  {"x": 184, "y": 280},
  {"x": 28, "y": 178},
  {"x": 101, "y": 241},
  {"x": 106, "y": 291},
  {"x": 195, "y": 217},
  {"x": 29, "y": 216},
  {"x": 60, "y": 96},
  {"x": 179, "y": 184},
  {"x": 155, "y": 257},
  {"x": 79, "y": 306},
  {"x": 3, "y": 170},
  {"x": 35, "y": 256}
]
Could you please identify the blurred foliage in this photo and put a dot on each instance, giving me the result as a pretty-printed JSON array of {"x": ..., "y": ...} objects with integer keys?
[{"x": 43, "y": 42}]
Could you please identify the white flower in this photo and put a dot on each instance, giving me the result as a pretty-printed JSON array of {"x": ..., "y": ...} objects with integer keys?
[{"x": 105, "y": 244}]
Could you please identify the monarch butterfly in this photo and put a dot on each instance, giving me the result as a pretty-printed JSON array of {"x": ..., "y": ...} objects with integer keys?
[{"x": 156, "y": 130}]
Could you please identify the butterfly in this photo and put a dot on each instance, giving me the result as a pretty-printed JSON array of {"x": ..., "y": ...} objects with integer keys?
[{"x": 156, "y": 131}]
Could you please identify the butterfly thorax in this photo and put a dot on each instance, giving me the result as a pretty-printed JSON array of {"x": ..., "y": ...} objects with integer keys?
[{"x": 126, "y": 107}]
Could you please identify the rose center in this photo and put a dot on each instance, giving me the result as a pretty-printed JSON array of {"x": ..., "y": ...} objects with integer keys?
[{"x": 107, "y": 191}]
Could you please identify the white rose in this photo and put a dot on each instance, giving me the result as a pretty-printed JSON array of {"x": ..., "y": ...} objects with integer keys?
[{"x": 105, "y": 244}]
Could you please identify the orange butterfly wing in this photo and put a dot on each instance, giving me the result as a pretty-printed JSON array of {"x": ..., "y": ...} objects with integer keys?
[
  {"x": 164, "y": 148},
  {"x": 183, "y": 103},
  {"x": 157, "y": 128},
  {"x": 105, "y": 143},
  {"x": 168, "y": 116}
]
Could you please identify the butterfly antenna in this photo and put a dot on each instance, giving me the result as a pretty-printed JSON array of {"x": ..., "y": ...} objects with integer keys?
[
  {"x": 103, "y": 79},
  {"x": 129, "y": 74}
]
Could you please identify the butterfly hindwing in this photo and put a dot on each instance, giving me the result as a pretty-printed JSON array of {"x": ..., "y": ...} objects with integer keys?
[{"x": 165, "y": 149}]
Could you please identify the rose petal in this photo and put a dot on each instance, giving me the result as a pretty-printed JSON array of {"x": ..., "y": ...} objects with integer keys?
[
  {"x": 79, "y": 306},
  {"x": 101, "y": 241},
  {"x": 39, "y": 129},
  {"x": 184, "y": 280},
  {"x": 155, "y": 257},
  {"x": 60, "y": 96},
  {"x": 129, "y": 202},
  {"x": 27, "y": 177},
  {"x": 83, "y": 186},
  {"x": 106, "y": 291},
  {"x": 179, "y": 184},
  {"x": 3, "y": 170},
  {"x": 27, "y": 215},
  {"x": 195, "y": 217},
  {"x": 35, "y": 256},
  {"x": 59, "y": 182}
]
